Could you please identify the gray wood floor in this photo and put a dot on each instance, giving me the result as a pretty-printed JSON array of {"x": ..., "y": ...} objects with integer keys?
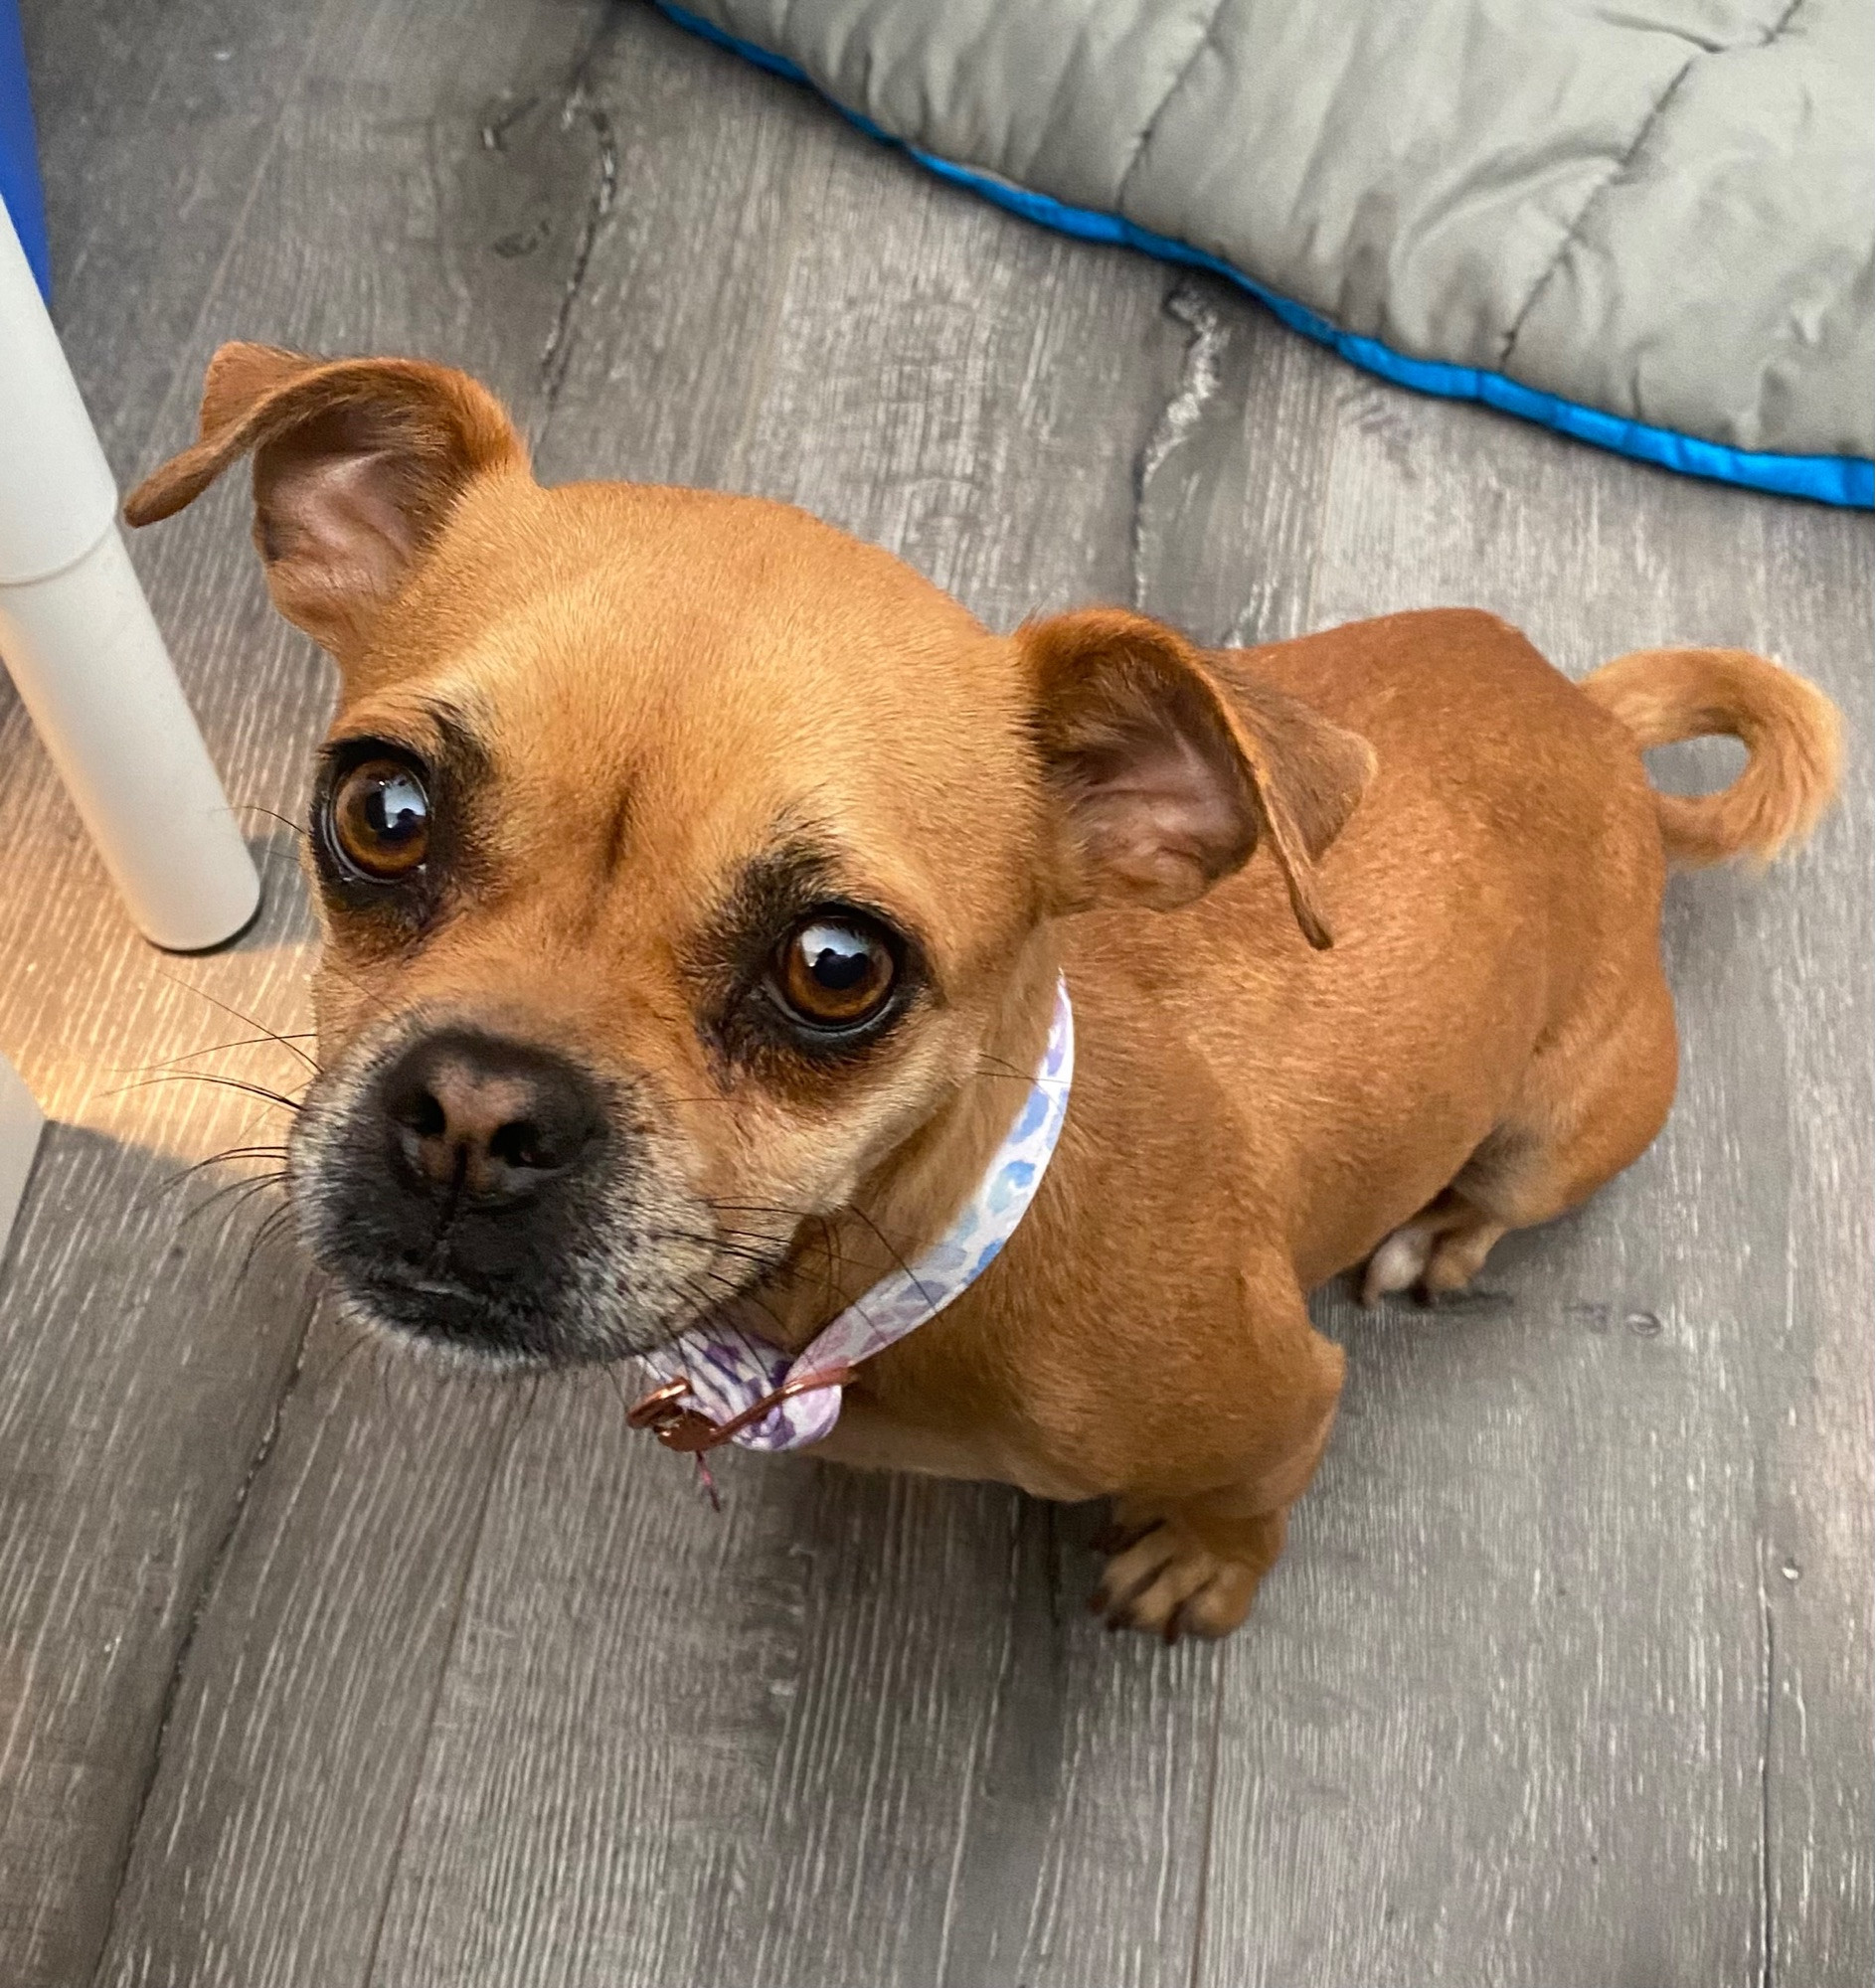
[{"x": 317, "y": 1669}]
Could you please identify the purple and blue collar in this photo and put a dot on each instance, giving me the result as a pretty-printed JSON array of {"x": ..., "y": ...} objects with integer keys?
[{"x": 720, "y": 1387}]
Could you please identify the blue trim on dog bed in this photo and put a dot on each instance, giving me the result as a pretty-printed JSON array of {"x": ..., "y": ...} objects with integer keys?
[
  {"x": 1847, "y": 480},
  {"x": 20, "y": 191}
]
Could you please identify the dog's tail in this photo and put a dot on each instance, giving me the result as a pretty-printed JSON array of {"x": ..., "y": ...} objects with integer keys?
[{"x": 1791, "y": 732}]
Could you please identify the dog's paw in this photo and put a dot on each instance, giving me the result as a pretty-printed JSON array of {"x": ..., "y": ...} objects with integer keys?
[
  {"x": 1160, "y": 1578},
  {"x": 1430, "y": 1259},
  {"x": 1400, "y": 1263}
]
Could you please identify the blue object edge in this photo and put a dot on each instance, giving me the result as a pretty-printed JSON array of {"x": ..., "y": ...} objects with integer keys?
[
  {"x": 19, "y": 190},
  {"x": 1846, "y": 481}
]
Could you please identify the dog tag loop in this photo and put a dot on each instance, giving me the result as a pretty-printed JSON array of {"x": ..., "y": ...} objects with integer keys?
[
  {"x": 685, "y": 1429},
  {"x": 676, "y": 1427}
]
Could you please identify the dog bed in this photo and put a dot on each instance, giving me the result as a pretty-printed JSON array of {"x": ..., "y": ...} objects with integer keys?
[{"x": 1647, "y": 226}]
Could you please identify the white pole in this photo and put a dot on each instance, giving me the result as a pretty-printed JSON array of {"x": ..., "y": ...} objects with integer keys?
[
  {"x": 86, "y": 657},
  {"x": 19, "y": 1123}
]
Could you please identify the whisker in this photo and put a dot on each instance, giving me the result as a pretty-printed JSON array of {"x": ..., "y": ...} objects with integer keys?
[
  {"x": 274, "y": 814},
  {"x": 214, "y": 1049},
  {"x": 207, "y": 1076},
  {"x": 243, "y": 1192},
  {"x": 252, "y": 1021},
  {"x": 762, "y": 1262},
  {"x": 612, "y": 1374},
  {"x": 267, "y": 1227},
  {"x": 742, "y": 1294},
  {"x": 173, "y": 1181},
  {"x": 711, "y": 1309},
  {"x": 208, "y": 1201},
  {"x": 829, "y": 1233},
  {"x": 226, "y": 1153},
  {"x": 791, "y": 1270},
  {"x": 880, "y": 1234},
  {"x": 1007, "y": 1069},
  {"x": 762, "y": 1259},
  {"x": 331, "y": 1371},
  {"x": 364, "y": 993},
  {"x": 831, "y": 1254},
  {"x": 757, "y": 1207}
]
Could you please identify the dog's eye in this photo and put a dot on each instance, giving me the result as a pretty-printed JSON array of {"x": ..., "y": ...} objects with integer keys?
[
  {"x": 380, "y": 819},
  {"x": 834, "y": 970}
]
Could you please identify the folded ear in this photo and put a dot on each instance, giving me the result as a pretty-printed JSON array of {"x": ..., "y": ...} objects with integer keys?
[
  {"x": 357, "y": 463},
  {"x": 1167, "y": 777}
]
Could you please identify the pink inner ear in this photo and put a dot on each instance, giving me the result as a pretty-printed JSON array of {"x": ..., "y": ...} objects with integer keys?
[
  {"x": 341, "y": 523},
  {"x": 1162, "y": 816}
]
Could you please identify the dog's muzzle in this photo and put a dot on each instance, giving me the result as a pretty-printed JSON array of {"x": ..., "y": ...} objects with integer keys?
[{"x": 477, "y": 1191}]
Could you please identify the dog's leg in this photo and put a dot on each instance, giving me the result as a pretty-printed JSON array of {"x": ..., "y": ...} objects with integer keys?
[
  {"x": 1590, "y": 1105},
  {"x": 1190, "y": 1562}
]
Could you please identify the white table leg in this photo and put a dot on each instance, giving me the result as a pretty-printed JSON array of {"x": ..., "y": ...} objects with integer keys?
[
  {"x": 86, "y": 657},
  {"x": 19, "y": 1123}
]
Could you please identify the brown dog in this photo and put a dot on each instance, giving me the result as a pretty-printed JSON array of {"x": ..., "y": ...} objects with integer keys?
[{"x": 605, "y": 753}]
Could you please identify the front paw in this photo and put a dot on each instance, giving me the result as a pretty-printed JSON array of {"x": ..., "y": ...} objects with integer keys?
[{"x": 1162, "y": 1578}]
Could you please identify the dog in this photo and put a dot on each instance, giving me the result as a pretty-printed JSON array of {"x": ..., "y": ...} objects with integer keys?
[{"x": 699, "y": 886}]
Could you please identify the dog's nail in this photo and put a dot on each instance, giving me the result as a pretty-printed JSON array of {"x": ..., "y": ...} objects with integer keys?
[
  {"x": 1118, "y": 1539},
  {"x": 1097, "y": 1602},
  {"x": 1126, "y": 1597}
]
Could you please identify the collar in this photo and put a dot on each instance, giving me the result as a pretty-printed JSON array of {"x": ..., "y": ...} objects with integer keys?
[{"x": 719, "y": 1387}]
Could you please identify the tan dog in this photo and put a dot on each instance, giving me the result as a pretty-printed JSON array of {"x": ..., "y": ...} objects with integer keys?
[{"x": 695, "y": 882}]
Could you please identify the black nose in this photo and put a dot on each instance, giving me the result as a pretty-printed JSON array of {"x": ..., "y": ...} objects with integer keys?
[{"x": 488, "y": 1118}]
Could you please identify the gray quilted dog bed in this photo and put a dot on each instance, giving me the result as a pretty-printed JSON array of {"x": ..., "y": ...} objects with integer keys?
[{"x": 1646, "y": 225}]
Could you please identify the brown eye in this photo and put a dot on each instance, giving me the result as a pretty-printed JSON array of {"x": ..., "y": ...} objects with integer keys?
[
  {"x": 380, "y": 819},
  {"x": 834, "y": 972}
]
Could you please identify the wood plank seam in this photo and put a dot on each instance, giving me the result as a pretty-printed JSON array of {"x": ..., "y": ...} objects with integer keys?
[
  {"x": 172, "y": 1686},
  {"x": 184, "y": 387},
  {"x": 1206, "y": 1846},
  {"x": 1185, "y": 408},
  {"x": 511, "y": 1426},
  {"x": 1766, "y": 1879},
  {"x": 578, "y": 103}
]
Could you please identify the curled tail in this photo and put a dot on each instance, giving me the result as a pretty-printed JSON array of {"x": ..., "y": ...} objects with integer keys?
[{"x": 1791, "y": 732}]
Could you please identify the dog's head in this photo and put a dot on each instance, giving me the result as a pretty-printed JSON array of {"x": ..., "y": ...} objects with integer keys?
[{"x": 679, "y": 858}]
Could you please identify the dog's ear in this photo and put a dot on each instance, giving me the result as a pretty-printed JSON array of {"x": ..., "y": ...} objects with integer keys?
[
  {"x": 357, "y": 463},
  {"x": 1167, "y": 777}
]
